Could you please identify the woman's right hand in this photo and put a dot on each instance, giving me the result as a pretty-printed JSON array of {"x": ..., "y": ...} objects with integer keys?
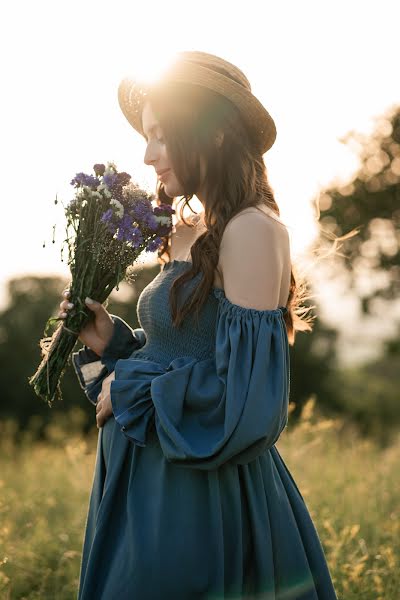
[{"x": 97, "y": 333}]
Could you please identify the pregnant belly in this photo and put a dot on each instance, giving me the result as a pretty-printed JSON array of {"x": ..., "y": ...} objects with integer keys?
[
  {"x": 107, "y": 436},
  {"x": 113, "y": 443}
]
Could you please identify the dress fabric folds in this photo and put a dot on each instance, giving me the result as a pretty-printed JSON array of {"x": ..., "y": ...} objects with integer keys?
[{"x": 190, "y": 496}]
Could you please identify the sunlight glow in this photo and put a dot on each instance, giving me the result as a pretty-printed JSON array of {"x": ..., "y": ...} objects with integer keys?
[
  {"x": 60, "y": 114},
  {"x": 151, "y": 66}
]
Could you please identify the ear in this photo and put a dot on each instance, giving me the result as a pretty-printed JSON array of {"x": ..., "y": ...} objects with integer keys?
[{"x": 219, "y": 138}]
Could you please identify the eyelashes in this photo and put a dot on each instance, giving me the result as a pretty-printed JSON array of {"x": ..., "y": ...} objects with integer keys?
[{"x": 160, "y": 140}]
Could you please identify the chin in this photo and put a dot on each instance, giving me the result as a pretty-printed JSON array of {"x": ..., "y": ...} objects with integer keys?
[{"x": 173, "y": 189}]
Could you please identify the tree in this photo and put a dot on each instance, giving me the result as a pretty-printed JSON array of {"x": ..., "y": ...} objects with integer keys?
[
  {"x": 369, "y": 204},
  {"x": 32, "y": 300},
  {"x": 313, "y": 368}
]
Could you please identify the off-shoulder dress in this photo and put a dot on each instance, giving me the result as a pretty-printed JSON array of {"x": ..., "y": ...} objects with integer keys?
[{"x": 190, "y": 497}]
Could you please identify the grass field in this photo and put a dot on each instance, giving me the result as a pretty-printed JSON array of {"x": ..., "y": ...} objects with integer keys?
[{"x": 351, "y": 486}]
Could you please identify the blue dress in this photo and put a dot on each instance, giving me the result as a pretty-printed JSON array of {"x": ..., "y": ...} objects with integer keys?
[{"x": 190, "y": 496}]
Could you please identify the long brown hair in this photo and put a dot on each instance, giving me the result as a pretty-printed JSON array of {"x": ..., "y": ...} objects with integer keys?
[{"x": 236, "y": 178}]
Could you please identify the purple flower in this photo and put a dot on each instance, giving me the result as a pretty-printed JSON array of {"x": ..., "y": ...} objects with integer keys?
[
  {"x": 136, "y": 237},
  {"x": 127, "y": 232},
  {"x": 123, "y": 178},
  {"x": 141, "y": 209},
  {"x": 107, "y": 216},
  {"x": 81, "y": 179},
  {"x": 164, "y": 209},
  {"x": 163, "y": 230},
  {"x": 115, "y": 182},
  {"x": 99, "y": 169},
  {"x": 124, "y": 227},
  {"x": 151, "y": 222},
  {"x": 153, "y": 244},
  {"x": 110, "y": 179}
]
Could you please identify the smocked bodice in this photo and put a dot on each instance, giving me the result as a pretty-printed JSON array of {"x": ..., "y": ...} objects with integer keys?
[{"x": 164, "y": 342}]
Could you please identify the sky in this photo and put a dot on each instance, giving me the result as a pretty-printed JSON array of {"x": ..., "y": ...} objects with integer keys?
[{"x": 321, "y": 68}]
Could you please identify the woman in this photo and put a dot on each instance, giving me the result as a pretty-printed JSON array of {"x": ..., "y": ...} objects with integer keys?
[{"x": 190, "y": 497}]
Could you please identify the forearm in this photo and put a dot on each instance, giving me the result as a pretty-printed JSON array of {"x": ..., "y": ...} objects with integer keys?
[{"x": 92, "y": 368}]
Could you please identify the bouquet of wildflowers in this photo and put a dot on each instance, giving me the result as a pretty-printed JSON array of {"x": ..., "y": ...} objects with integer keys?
[{"x": 110, "y": 222}]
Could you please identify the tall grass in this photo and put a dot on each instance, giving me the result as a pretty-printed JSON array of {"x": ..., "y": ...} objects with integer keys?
[{"x": 350, "y": 484}]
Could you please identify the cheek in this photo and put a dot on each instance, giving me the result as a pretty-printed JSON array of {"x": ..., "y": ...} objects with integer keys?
[
  {"x": 172, "y": 186},
  {"x": 164, "y": 153}
]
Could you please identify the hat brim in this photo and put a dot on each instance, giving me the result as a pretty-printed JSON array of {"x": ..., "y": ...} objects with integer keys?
[{"x": 132, "y": 94}]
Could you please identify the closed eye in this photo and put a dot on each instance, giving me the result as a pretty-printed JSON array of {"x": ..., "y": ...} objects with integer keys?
[
  {"x": 161, "y": 140},
  {"x": 153, "y": 128}
]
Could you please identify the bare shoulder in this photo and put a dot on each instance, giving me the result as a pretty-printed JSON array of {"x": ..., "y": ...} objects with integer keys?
[
  {"x": 254, "y": 229},
  {"x": 255, "y": 261},
  {"x": 263, "y": 210}
]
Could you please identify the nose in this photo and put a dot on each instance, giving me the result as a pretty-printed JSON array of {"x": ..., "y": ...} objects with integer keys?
[{"x": 151, "y": 154}]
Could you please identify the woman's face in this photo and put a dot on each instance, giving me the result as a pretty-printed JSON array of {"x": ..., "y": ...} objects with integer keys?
[{"x": 156, "y": 154}]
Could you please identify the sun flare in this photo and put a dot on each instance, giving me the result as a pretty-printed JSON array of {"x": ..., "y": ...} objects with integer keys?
[{"x": 149, "y": 68}]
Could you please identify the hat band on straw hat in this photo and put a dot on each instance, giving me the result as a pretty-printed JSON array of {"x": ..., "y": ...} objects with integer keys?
[{"x": 207, "y": 73}]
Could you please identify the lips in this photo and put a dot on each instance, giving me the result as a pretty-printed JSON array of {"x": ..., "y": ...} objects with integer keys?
[{"x": 162, "y": 175}]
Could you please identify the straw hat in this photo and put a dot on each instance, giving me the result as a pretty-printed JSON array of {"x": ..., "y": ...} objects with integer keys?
[{"x": 212, "y": 72}]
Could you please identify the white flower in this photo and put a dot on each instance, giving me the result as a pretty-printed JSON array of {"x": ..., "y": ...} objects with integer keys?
[
  {"x": 119, "y": 207},
  {"x": 103, "y": 188},
  {"x": 111, "y": 168},
  {"x": 162, "y": 220},
  {"x": 86, "y": 190}
]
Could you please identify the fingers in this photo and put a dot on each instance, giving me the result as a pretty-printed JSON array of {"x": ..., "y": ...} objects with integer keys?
[
  {"x": 65, "y": 306},
  {"x": 100, "y": 422},
  {"x": 103, "y": 409},
  {"x": 93, "y": 305},
  {"x": 101, "y": 415},
  {"x": 103, "y": 318}
]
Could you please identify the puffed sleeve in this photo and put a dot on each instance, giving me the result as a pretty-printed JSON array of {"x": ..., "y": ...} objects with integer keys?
[
  {"x": 91, "y": 369},
  {"x": 207, "y": 412},
  {"x": 233, "y": 405}
]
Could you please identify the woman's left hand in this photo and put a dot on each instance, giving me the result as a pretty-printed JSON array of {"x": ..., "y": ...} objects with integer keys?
[{"x": 104, "y": 407}]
